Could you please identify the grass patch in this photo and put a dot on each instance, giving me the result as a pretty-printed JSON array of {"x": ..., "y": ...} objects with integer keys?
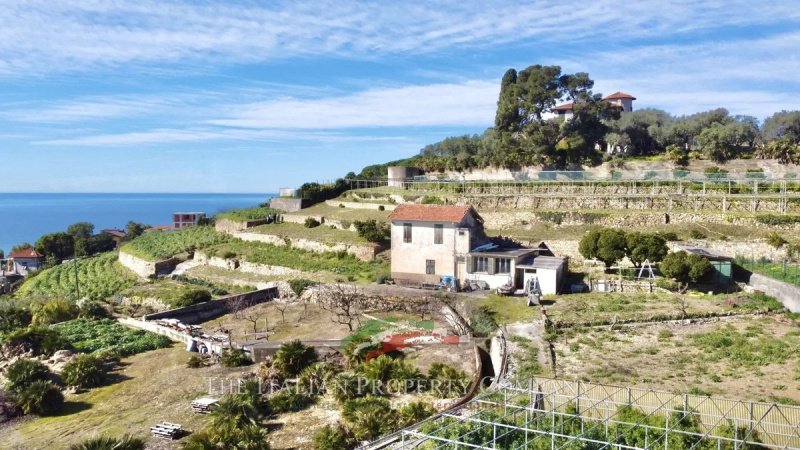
[
  {"x": 339, "y": 263},
  {"x": 749, "y": 348},
  {"x": 323, "y": 233},
  {"x": 99, "y": 277},
  {"x": 342, "y": 214},
  {"x": 245, "y": 214},
  {"x": 508, "y": 309},
  {"x": 167, "y": 291},
  {"x": 158, "y": 245},
  {"x": 109, "y": 336}
]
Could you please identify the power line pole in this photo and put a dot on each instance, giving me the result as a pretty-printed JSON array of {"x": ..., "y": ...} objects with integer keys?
[{"x": 77, "y": 287}]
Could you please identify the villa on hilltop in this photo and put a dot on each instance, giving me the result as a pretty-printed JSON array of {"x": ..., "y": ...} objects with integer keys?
[
  {"x": 24, "y": 261},
  {"x": 619, "y": 99},
  {"x": 431, "y": 243}
]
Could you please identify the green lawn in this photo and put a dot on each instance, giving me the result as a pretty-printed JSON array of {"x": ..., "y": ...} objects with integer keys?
[{"x": 322, "y": 233}]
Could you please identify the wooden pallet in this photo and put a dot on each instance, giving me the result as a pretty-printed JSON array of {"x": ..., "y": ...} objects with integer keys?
[
  {"x": 167, "y": 430},
  {"x": 204, "y": 405}
]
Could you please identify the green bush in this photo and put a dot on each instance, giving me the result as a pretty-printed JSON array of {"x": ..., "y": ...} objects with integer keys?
[
  {"x": 234, "y": 358},
  {"x": 431, "y": 200},
  {"x": 195, "y": 362},
  {"x": 125, "y": 442},
  {"x": 293, "y": 357},
  {"x": 331, "y": 438},
  {"x": 84, "y": 371},
  {"x": 192, "y": 297},
  {"x": 246, "y": 214},
  {"x": 373, "y": 231},
  {"x": 38, "y": 340},
  {"x": 776, "y": 240},
  {"x": 694, "y": 233},
  {"x": 483, "y": 322},
  {"x": 778, "y": 220},
  {"x": 288, "y": 401},
  {"x": 311, "y": 222},
  {"x": 414, "y": 412},
  {"x": 298, "y": 285},
  {"x": 53, "y": 311},
  {"x": 23, "y": 372},
  {"x": 369, "y": 417},
  {"x": 347, "y": 386},
  {"x": 42, "y": 398},
  {"x": 13, "y": 317}
]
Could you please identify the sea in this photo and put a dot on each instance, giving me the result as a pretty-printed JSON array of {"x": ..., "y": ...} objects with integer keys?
[{"x": 25, "y": 217}]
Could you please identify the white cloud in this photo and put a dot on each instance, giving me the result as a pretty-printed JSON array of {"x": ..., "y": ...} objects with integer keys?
[
  {"x": 43, "y": 36},
  {"x": 470, "y": 103}
]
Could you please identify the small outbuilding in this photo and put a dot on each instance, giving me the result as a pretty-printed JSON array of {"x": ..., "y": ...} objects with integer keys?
[{"x": 723, "y": 265}]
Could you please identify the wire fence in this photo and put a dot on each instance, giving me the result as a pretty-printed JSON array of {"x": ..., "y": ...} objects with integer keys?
[{"x": 779, "y": 270}]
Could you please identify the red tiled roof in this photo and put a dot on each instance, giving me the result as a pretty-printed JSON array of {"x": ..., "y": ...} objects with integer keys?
[
  {"x": 431, "y": 213},
  {"x": 115, "y": 233},
  {"x": 619, "y": 95},
  {"x": 25, "y": 253},
  {"x": 564, "y": 107}
]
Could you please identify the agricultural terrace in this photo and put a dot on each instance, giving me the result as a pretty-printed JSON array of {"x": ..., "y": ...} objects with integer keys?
[
  {"x": 346, "y": 216},
  {"x": 321, "y": 233},
  {"x": 339, "y": 263},
  {"x": 99, "y": 277},
  {"x": 125, "y": 406},
  {"x": 246, "y": 214},
  {"x": 753, "y": 358},
  {"x": 607, "y": 308},
  {"x": 220, "y": 276},
  {"x": 107, "y": 336},
  {"x": 158, "y": 245}
]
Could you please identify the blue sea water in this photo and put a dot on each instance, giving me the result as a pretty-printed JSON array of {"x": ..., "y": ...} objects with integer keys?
[{"x": 25, "y": 217}]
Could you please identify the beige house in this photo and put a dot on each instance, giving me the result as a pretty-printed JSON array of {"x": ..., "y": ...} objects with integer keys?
[
  {"x": 432, "y": 242},
  {"x": 619, "y": 99}
]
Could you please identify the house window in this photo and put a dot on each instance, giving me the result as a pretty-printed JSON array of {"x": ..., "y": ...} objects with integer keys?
[
  {"x": 430, "y": 267},
  {"x": 438, "y": 230},
  {"x": 502, "y": 265},
  {"x": 407, "y": 233},
  {"x": 481, "y": 264}
]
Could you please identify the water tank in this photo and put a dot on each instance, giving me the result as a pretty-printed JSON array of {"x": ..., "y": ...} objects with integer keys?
[{"x": 398, "y": 174}]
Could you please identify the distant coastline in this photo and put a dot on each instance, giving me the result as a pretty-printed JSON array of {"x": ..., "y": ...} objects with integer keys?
[{"x": 26, "y": 216}]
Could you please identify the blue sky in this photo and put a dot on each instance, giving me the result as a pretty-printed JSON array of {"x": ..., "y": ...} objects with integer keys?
[{"x": 204, "y": 96}]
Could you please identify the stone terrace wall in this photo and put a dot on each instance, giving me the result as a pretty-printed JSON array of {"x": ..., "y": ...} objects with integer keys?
[
  {"x": 232, "y": 226},
  {"x": 243, "y": 266},
  {"x": 145, "y": 268},
  {"x": 788, "y": 294},
  {"x": 357, "y": 205},
  {"x": 215, "y": 308},
  {"x": 365, "y": 252},
  {"x": 287, "y": 204}
]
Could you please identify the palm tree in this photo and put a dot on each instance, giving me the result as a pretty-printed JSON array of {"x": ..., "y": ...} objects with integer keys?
[
  {"x": 293, "y": 357},
  {"x": 125, "y": 442},
  {"x": 233, "y": 412}
]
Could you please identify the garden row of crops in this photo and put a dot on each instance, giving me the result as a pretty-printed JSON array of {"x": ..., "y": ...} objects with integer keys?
[
  {"x": 109, "y": 336},
  {"x": 158, "y": 245},
  {"x": 339, "y": 263},
  {"x": 98, "y": 277}
]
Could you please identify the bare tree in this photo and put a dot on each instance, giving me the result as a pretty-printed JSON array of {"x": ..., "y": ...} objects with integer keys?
[
  {"x": 344, "y": 301},
  {"x": 281, "y": 307},
  {"x": 682, "y": 304},
  {"x": 243, "y": 309}
]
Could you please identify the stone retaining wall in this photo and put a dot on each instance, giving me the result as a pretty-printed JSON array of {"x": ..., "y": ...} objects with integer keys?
[
  {"x": 145, "y": 268},
  {"x": 204, "y": 311},
  {"x": 357, "y": 205},
  {"x": 288, "y": 204},
  {"x": 243, "y": 266},
  {"x": 788, "y": 294},
  {"x": 232, "y": 226},
  {"x": 365, "y": 252}
]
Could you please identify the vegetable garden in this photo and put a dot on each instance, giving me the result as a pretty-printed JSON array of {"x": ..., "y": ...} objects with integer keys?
[
  {"x": 99, "y": 277},
  {"x": 109, "y": 336}
]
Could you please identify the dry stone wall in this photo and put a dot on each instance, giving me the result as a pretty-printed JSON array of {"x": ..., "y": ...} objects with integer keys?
[
  {"x": 232, "y": 226},
  {"x": 362, "y": 252},
  {"x": 145, "y": 268},
  {"x": 243, "y": 266}
]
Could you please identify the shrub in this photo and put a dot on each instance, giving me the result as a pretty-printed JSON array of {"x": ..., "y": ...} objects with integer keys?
[
  {"x": 483, "y": 322},
  {"x": 715, "y": 173},
  {"x": 369, "y": 417},
  {"x": 24, "y": 372},
  {"x": 234, "y": 358},
  {"x": 697, "y": 234},
  {"x": 195, "y": 362},
  {"x": 288, "y": 401},
  {"x": 192, "y": 297},
  {"x": 42, "y": 398},
  {"x": 685, "y": 268},
  {"x": 414, "y": 412},
  {"x": 84, "y": 371},
  {"x": 12, "y": 318},
  {"x": 311, "y": 222},
  {"x": 293, "y": 357},
  {"x": 126, "y": 442},
  {"x": 447, "y": 381},
  {"x": 298, "y": 285},
  {"x": 777, "y": 220},
  {"x": 54, "y": 311},
  {"x": 431, "y": 200},
  {"x": 381, "y": 208},
  {"x": 776, "y": 240},
  {"x": 346, "y": 386},
  {"x": 38, "y": 340},
  {"x": 330, "y": 438},
  {"x": 668, "y": 236},
  {"x": 372, "y": 230},
  {"x": 382, "y": 278}
]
